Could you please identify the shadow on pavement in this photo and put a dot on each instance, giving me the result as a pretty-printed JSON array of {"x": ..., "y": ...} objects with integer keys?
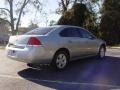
[{"x": 100, "y": 74}]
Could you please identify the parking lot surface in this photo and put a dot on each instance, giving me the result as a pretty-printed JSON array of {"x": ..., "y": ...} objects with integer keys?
[{"x": 85, "y": 74}]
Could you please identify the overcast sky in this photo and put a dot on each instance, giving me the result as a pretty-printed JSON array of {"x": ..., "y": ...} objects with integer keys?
[{"x": 49, "y": 7}]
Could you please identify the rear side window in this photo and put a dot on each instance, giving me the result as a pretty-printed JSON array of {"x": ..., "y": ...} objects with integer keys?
[
  {"x": 40, "y": 31},
  {"x": 70, "y": 32}
]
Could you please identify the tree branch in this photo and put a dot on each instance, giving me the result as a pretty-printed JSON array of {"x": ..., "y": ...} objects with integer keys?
[
  {"x": 8, "y": 1},
  {"x": 38, "y": 1},
  {"x": 75, "y": 2},
  {"x": 67, "y": 2},
  {"x": 21, "y": 10},
  {"x": 64, "y": 6},
  {"x": 26, "y": 2},
  {"x": 5, "y": 9}
]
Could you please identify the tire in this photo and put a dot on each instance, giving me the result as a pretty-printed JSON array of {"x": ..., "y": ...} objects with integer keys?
[
  {"x": 102, "y": 52},
  {"x": 60, "y": 60}
]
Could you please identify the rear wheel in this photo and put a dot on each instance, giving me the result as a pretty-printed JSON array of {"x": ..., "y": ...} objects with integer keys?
[
  {"x": 60, "y": 60},
  {"x": 101, "y": 53}
]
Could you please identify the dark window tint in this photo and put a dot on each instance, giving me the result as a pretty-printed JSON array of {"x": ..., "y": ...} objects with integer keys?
[
  {"x": 70, "y": 32},
  {"x": 86, "y": 34},
  {"x": 39, "y": 31}
]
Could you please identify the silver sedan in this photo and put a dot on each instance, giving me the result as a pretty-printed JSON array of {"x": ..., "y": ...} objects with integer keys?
[{"x": 55, "y": 45}]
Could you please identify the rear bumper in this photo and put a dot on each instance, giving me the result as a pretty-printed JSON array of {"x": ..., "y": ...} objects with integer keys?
[{"x": 30, "y": 54}]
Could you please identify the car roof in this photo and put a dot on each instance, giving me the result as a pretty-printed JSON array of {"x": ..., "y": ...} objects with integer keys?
[
  {"x": 65, "y": 26},
  {"x": 62, "y": 26}
]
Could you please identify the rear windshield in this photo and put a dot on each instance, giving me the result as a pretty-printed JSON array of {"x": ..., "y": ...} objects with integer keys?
[
  {"x": 18, "y": 40},
  {"x": 22, "y": 40},
  {"x": 40, "y": 31}
]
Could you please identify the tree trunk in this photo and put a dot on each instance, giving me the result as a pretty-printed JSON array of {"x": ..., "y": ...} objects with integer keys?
[
  {"x": 11, "y": 17},
  {"x": 19, "y": 17}
]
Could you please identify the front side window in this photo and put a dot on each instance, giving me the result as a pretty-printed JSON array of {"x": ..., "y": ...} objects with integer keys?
[
  {"x": 86, "y": 34},
  {"x": 70, "y": 32}
]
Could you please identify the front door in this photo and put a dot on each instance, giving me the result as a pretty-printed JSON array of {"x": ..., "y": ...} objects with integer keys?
[{"x": 91, "y": 42}]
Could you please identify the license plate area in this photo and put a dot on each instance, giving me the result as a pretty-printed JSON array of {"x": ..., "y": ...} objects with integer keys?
[{"x": 12, "y": 52}]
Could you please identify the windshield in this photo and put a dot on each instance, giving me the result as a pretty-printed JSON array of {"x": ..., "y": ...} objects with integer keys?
[{"x": 40, "y": 31}]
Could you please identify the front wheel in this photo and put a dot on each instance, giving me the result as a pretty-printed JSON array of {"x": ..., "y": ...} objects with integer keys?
[
  {"x": 101, "y": 53},
  {"x": 60, "y": 60}
]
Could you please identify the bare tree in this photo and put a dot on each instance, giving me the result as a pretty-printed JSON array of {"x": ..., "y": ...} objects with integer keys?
[
  {"x": 64, "y": 5},
  {"x": 20, "y": 10}
]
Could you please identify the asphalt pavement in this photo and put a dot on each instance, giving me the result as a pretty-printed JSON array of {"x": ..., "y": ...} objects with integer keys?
[{"x": 85, "y": 74}]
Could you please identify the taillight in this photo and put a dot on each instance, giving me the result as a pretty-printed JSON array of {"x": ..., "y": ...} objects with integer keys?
[{"x": 34, "y": 41}]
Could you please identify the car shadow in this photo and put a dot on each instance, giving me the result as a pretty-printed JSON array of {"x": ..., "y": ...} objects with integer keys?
[{"x": 91, "y": 70}]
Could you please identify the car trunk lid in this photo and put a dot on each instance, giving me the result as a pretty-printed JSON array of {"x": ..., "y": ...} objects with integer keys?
[{"x": 21, "y": 41}]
